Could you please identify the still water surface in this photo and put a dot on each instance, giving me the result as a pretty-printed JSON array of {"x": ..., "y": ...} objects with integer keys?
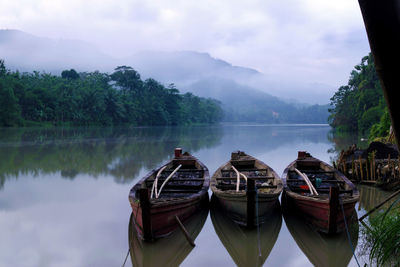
[{"x": 64, "y": 195}]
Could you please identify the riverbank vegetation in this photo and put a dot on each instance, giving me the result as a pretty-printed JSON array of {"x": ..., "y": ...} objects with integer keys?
[
  {"x": 360, "y": 106},
  {"x": 382, "y": 238},
  {"x": 94, "y": 98}
]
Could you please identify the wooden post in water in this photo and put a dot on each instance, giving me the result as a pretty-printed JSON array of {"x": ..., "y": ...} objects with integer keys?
[
  {"x": 366, "y": 168},
  {"x": 357, "y": 174},
  {"x": 146, "y": 220},
  {"x": 370, "y": 166},
  {"x": 333, "y": 209},
  {"x": 398, "y": 168},
  {"x": 251, "y": 202},
  {"x": 352, "y": 168},
  {"x": 345, "y": 167},
  {"x": 374, "y": 163}
]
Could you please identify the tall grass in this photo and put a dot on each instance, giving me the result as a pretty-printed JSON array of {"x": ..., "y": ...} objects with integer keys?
[{"x": 382, "y": 237}]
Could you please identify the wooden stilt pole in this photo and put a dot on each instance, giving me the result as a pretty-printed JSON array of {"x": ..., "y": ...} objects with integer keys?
[
  {"x": 357, "y": 173},
  {"x": 352, "y": 168},
  {"x": 251, "y": 202},
  {"x": 361, "y": 169},
  {"x": 146, "y": 219},
  {"x": 333, "y": 209}
]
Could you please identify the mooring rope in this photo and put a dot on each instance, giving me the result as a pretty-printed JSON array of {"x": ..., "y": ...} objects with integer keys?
[
  {"x": 129, "y": 245},
  {"x": 348, "y": 232}
]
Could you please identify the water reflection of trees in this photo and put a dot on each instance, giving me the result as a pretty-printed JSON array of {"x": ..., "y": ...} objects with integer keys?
[
  {"x": 372, "y": 196},
  {"x": 342, "y": 141},
  {"x": 120, "y": 152}
]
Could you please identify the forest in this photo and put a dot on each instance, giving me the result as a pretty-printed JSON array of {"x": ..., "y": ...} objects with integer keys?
[
  {"x": 360, "y": 106},
  {"x": 95, "y": 98}
]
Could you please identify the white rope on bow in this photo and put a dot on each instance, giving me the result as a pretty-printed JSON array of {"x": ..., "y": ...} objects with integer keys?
[
  {"x": 166, "y": 180},
  {"x": 310, "y": 186},
  {"x": 154, "y": 188},
  {"x": 238, "y": 174}
]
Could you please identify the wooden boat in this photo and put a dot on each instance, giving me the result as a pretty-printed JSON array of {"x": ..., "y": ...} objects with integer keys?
[
  {"x": 321, "y": 249},
  {"x": 247, "y": 188},
  {"x": 170, "y": 250},
  {"x": 319, "y": 192},
  {"x": 170, "y": 193},
  {"x": 247, "y": 247}
]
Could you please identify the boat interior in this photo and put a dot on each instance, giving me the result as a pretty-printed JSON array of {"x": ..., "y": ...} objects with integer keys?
[
  {"x": 320, "y": 177},
  {"x": 186, "y": 180},
  {"x": 250, "y": 168}
]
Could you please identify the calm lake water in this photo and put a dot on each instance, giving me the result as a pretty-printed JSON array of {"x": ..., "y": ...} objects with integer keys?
[{"x": 64, "y": 196}]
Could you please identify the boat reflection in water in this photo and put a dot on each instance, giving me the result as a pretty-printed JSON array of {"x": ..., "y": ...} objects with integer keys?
[
  {"x": 247, "y": 247},
  {"x": 321, "y": 249},
  {"x": 170, "y": 250}
]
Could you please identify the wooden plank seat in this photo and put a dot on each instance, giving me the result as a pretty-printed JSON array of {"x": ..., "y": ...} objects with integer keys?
[
  {"x": 312, "y": 180},
  {"x": 180, "y": 185},
  {"x": 174, "y": 191},
  {"x": 182, "y": 170},
  {"x": 242, "y": 186},
  {"x": 251, "y": 177},
  {"x": 312, "y": 171},
  {"x": 245, "y": 170},
  {"x": 173, "y": 179}
]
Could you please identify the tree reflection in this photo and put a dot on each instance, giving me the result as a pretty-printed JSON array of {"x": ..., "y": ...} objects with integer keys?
[{"x": 119, "y": 152}]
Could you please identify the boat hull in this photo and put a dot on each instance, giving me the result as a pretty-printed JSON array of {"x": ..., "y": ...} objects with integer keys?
[
  {"x": 317, "y": 213},
  {"x": 237, "y": 209},
  {"x": 162, "y": 217},
  {"x": 168, "y": 251}
]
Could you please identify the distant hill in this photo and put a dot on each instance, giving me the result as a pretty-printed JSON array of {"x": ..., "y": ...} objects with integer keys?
[
  {"x": 27, "y": 52},
  {"x": 247, "y": 95}
]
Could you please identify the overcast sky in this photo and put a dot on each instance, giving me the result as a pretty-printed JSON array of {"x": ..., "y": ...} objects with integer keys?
[{"x": 317, "y": 41}]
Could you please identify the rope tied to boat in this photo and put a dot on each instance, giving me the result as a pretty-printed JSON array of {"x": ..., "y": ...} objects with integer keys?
[
  {"x": 347, "y": 231},
  {"x": 313, "y": 191},
  {"x": 238, "y": 174},
  {"x": 166, "y": 180}
]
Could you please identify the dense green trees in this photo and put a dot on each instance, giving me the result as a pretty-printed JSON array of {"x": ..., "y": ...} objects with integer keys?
[
  {"x": 97, "y": 99},
  {"x": 359, "y": 106}
]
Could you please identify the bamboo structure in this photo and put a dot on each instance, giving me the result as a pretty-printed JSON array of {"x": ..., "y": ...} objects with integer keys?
[{"x": 361, "y": 168}]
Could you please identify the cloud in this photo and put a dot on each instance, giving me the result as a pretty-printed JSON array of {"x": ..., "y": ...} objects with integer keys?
[{"x": 308, "y": 40}]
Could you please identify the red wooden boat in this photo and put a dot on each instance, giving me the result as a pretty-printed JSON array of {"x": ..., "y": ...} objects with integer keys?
[
  {"x": 177, "y": 189},
  {"x": 320, "y": 193}
]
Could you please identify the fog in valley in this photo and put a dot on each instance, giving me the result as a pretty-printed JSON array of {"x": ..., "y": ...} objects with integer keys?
[{"x": 258, "y": 59}]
